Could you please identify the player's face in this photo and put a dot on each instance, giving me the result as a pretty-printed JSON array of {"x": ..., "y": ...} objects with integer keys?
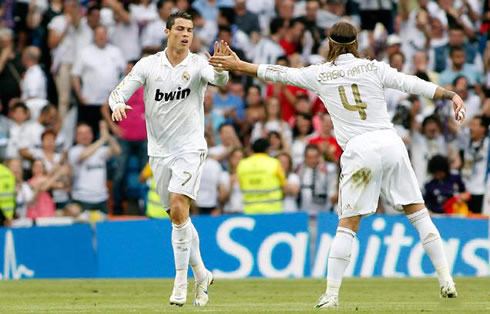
[{"x": 181, "y": 34}]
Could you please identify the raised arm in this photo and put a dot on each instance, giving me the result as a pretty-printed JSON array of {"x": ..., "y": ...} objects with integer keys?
[
  {"x": 411, "y": 84},
  {"x": 303, "y": 77},
  {"x": 117, "y": 100}
]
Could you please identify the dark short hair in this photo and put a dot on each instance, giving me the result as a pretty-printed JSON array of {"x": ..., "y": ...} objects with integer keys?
[
  {"x": 311, "y": 147},
  {"x": 177, "y": 15},
  {"x": 452, "y": 50},
  {"x": 46, "y": 109},
  {"x": 92, "y": 8},
  {"x": 228, "y": 14},
  {"x": 438, "y": 163},
  {"x": 275, "y": 25},
  {"x": 261, "y": 145},
  {"x": 20, "y": 104},
  {"x": 222, "y": 125},
  {"x": 460, "y": 77},
  {"x": 399, "y": 53},
  {"x": 224, "y": 28},
  {"x": 48, "y": 132},
  {"x": 432, "y": 118},
  {"x": 162, "y": 2}
]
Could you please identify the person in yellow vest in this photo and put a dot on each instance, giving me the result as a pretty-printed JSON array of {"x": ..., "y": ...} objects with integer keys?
[
  {"x": 154, "y": 208},
  {"x": 7, "y": 195},
  {"x": 261, "y": 180}
]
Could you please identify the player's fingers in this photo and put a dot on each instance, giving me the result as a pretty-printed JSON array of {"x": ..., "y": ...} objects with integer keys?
[
  {"x": 215, "y": 48},
  {"x": 207, "y": 55},
  {"x": 117, "y": 116},
  {"x": 123, "y": 113},
  {"x": 128, "y": 107},
  {"x": 113, "y": 117}
]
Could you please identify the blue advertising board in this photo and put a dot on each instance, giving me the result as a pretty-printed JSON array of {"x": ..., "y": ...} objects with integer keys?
[
  {"x": 231, "y": 246},
  {"x": 47, "y": 252},
  {"x": 273, "y": 246},
  {"x": 389, "y": 246}
]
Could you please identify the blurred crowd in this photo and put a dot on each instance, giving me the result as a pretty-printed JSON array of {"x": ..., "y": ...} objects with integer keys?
[{"x": 59, "y": 61}]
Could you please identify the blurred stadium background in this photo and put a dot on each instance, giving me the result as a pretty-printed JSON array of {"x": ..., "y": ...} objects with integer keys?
[{"x": 101, "y": 218}]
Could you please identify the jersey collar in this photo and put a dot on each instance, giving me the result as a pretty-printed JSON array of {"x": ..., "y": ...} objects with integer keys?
[
  {"x": 345, "y": 56},
  {"x": 166, "y": 62}
]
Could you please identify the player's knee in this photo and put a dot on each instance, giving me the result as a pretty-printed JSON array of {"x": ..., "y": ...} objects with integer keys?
[
  {"x": 351, "y": 223},
  {"x": 179, "y": 208}
]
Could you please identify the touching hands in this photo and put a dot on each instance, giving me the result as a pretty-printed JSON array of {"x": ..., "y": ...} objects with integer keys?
[
  {"x": 226, "y": 59},
  {"x": 459, "y": 108}
]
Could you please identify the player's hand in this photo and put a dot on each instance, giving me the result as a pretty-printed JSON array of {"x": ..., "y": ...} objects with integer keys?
[
  {"x": 228, "y": 61},
  {"x": 219, "y": 50},
  {"x": 459, "y": 108},
  {"x": 119, "y": 113}
]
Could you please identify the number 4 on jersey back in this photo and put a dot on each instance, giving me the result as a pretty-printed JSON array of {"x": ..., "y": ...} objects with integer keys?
[{"x": 360, "y": 106}]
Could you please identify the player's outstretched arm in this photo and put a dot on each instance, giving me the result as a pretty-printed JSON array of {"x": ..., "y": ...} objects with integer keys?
[
  {"x": 304, "y": 77},
  {"x": 458, "y": 104}
]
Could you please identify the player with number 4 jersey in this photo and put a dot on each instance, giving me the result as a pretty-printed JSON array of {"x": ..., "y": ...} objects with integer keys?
[
  {"x": 375, "y": 161},
  {"x": 175, "y": 81}
]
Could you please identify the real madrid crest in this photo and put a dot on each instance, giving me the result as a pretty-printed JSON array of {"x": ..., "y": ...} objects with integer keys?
[{"x": 186, "y": 76}]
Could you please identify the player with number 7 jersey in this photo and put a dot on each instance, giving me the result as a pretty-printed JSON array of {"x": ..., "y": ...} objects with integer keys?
[{"x": 375, "y": 161}]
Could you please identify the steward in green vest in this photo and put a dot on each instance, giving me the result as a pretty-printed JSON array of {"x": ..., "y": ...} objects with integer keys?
[
  {"x": 7, "y": 192},
  {"x": 261, "y": 180}
]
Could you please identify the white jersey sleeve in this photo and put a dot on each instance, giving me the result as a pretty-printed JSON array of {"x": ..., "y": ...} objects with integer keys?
[
  {"x": 302, "y": 77},
  {"x": 128, "y": 85},
  {"x": 210, "y": 75},
  {"x": 411, "y": 84}
]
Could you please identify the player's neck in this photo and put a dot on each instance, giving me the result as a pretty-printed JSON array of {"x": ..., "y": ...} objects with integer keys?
[{"x": 176, "y": 56}]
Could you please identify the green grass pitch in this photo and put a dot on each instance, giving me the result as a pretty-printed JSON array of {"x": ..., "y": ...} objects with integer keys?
[{"x": 360, "y": 295}]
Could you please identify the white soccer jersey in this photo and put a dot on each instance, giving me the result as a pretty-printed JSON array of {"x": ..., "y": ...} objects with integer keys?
[
  {"x": 352, "y": 90},
  {"x": 173, "y": 101}
]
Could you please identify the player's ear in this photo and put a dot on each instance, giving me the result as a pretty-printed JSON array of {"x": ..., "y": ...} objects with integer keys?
[{"x": 167, "y": 31}]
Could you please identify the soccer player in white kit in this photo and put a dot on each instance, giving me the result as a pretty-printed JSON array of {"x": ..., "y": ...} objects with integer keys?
[
  {"x": 174, "y": 83},
  {"x": 375, "y": 160}
]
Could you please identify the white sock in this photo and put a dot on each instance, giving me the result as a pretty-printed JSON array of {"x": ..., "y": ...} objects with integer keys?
[
  {"x": 338, "y": 259},
  {"x": 195, "y": 260},
  {"x": 181, "y": 244},
  {"x": 432, "y": 243}
]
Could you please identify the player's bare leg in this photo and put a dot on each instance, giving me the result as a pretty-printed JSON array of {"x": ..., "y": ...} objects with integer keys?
[
  {"x": 338, "y": 260},
  {"x": 185, "y": 243},
  {"x": 433, "y": 246}
]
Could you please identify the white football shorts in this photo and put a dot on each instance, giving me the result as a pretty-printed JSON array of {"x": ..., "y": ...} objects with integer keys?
[
  {"x": 376, "y": 163},
  {"x": 180, "y": 174}
]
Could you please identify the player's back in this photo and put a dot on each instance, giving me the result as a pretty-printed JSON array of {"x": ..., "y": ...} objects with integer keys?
[{"x": 353, "y": 92}]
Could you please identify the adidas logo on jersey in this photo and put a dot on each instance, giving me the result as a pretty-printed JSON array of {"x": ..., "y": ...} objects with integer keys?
[{"x": 173, "y": 95}]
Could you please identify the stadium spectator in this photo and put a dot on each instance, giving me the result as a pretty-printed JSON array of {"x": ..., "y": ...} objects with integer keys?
[
  {"x": 445, "y": 188},
  {"x": 23, "y": 191},
  {"x": 278, "y": 143},
  {"x": 5, "y": 125},
  {"x": 53, "y": 163},
  {"x": 286, "y": 94},
  {"x": 427, "y": 142},
  {"x": 34, "y": 84},
  {"x": 7, "y": 195},
  {"x": 460, "y": 67},
  {"x": 207, "y": 8},
  {"x": 318, "y": 182},
  {"x": 229, "y": 105},
  {"x": 326, "y": 142},
  {"x": 19, "y": 114},
  {"x": 153, "y": 36},
  {"x": 293, "y": 184},
  {"x": 302, "y": 133},
  {"x": 10, "y": 68},
  {"x": 62, "y": 40},
  {"x": 245, "y": 20},
  {"x": 42, "y": 204},
  {"x": 125, "y": 33},
  {"x": 212, "y": 187},
  {"x": 229, "y": 141},
  {"x": 475, "y": 157},
  {"x": 88, "y": 161},
  {"x": 268, "y": 49},
  {"x": 30, "y": 142},
  {"x": 144, "y": 12},
  {"x": 272, "y": 122},
  {"x": 131, "y": 135},
  {"x": 95, "y": 73},
  {"x": 232, "y": 198},
  {"x": 261, "y": 180}
]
